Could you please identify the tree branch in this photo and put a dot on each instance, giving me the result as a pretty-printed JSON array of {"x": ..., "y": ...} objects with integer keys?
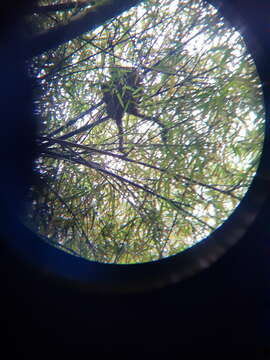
[
  {"x": 94, "y": 165},
  {"x": 61, "y": 7},
  {"x": 137, "y": 162},
  {"x": 74, "y": 120},
  {"x": 90, "y": 20},
  {"x": 84, "y": 128}
]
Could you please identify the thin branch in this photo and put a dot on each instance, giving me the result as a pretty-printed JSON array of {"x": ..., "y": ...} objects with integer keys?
[
  {"x": 94, "y": 165},
  {"x": 73, "y": 121},
  {"x": 75, "y": 219},
  {"x": 98, "y": 167},
  {"x": 137, "y": 162},
  {"x": 51, "y": 241},
  {"x": 97, "y": 15},
  {"x": 84, "y": 128}
]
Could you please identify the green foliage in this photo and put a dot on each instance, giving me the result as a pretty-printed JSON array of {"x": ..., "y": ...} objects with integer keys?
[{"x": 198, "y": 82}]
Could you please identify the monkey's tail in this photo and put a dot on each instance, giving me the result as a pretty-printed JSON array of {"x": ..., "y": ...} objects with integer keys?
[{"x": 119, "y": 124}]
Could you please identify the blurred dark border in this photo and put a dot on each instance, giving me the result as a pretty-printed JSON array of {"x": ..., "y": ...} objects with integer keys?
[{"x": 223, "y": 307}]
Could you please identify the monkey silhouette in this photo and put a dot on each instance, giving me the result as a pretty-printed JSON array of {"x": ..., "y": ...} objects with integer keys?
[{"x": 122, "y": 94}]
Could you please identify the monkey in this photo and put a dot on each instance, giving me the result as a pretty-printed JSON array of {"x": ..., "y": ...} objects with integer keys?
[{"x": 122, "y": 94}]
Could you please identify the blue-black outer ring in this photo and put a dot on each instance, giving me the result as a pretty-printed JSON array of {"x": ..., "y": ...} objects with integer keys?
[{"x": 116, "y": 278}]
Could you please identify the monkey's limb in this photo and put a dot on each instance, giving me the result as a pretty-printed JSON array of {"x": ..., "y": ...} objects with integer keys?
[{"x": 164, "y": 130}]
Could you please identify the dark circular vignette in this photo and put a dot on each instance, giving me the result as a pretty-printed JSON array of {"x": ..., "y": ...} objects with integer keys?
[{"x": 89, "y": 275}]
